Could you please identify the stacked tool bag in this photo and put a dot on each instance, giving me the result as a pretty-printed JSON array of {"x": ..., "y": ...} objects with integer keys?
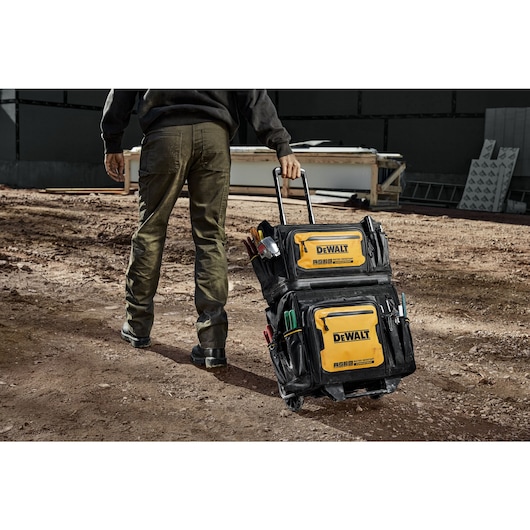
[{"x": 336, "y": 326}]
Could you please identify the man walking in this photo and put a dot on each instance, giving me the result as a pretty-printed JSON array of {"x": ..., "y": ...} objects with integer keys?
[{"x": 187, "y": 137}]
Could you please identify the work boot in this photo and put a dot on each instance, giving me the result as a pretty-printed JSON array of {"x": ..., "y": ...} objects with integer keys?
[
  {"x": 137, "y": 342},
  {"x": 209, "y": 357}
]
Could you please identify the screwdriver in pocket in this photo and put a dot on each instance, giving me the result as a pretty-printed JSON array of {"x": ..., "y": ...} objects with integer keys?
[
  {"x": 251, "y": 248},
  {"x": 255, "y": 235}
]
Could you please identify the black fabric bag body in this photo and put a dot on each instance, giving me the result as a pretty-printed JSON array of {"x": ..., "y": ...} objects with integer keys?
[{"x": 336, "y": 326}]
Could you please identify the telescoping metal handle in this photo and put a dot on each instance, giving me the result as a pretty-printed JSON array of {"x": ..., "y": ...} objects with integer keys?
[{"x": 276, "y": 173}]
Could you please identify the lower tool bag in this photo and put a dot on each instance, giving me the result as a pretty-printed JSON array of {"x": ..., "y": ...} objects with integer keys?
[{"x": 339, "y": 343}]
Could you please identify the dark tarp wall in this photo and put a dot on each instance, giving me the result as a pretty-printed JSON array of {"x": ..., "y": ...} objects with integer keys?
[{"x": 51, "y": 138}]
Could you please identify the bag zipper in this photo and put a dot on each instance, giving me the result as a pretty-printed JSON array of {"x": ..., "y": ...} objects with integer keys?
[
  {"x": 345, "y": 313},
  {"x": 326, "y": 238}
]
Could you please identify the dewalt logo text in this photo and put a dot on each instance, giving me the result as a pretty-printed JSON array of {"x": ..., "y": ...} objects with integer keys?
[
  {"x": 351, "y": 336},
  {"x": 332, "y": 249}
]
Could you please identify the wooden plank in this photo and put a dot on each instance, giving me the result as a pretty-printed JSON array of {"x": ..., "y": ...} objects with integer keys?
[
  {"x": 373, "y": 186},
  {"x": 84, "y": 191},
  {"x": 390, "y": 163},
  {"x": 392, "y": 178},
  {"x": 297, "y": 202},
  {"x": 320, "y": 158},
  {"x": 246, "y": 157},
  {"x": 252, "y": 190},
  {"x": 391, "y": 190}
]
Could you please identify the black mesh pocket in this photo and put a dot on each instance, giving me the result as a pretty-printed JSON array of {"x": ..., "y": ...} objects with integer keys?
[
  {"x": 297, "y": 359},
  {"x": 408, "y": 346}
]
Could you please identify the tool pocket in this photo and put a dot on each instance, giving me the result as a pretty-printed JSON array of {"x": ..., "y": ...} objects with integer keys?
[
  {"x": 280, "y": 363},
  {"x": 349, "y": 336},
  {"x": 377, "y": 245},
  {"x": 399, "y": 339},
  {"x": 294, "y": 345},
  {"x": 296, "y": 354},
  {"x": 321, "y": 250},
  {"x": 264, "y": 270},
  {"x": 358, "y": 333},
  {"x": 288, "y": 358},
  {"x": 335, "y": 252},
  {"x": 287, "y": 347},
  {"x": 408, "y": 345}
]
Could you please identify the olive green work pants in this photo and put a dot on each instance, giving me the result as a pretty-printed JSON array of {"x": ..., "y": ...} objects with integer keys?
[{"x": 199, "y": 155}]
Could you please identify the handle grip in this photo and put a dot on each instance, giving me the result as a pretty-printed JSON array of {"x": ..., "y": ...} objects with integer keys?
[{"x": 276, "y": 172}]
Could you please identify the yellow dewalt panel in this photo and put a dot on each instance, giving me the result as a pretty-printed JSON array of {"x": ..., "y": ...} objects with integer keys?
[
  {"x": 350, "y": 338},
  {"x": 330, "y": 249}
]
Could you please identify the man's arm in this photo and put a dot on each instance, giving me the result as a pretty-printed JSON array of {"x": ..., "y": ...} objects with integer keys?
[
  {"x": 116, "y": 115},
  {"x": 260, "y": 112}
]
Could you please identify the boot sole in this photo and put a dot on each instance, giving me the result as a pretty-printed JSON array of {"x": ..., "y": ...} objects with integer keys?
[
  {"x": 209, "y": 362},
  {"x": 135, "y": 342},
  {"x": 212, "y": 362}
]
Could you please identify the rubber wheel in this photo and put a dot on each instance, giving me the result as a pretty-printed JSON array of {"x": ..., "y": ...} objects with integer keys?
[{"x": 294, "y": 403}]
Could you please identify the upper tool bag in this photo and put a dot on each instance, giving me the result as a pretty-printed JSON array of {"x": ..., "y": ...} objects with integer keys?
[{"x": 314, "y": 256}]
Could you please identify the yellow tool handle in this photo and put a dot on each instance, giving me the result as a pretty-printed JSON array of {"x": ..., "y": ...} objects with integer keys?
[{"x": 255, "y": 235}]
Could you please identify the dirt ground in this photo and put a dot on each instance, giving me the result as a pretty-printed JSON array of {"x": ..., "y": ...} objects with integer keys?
[{"x": 65, "y": 374}]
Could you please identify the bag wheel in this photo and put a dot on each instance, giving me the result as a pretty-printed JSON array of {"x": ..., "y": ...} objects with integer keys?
[{"x": 292, "y": 401}]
